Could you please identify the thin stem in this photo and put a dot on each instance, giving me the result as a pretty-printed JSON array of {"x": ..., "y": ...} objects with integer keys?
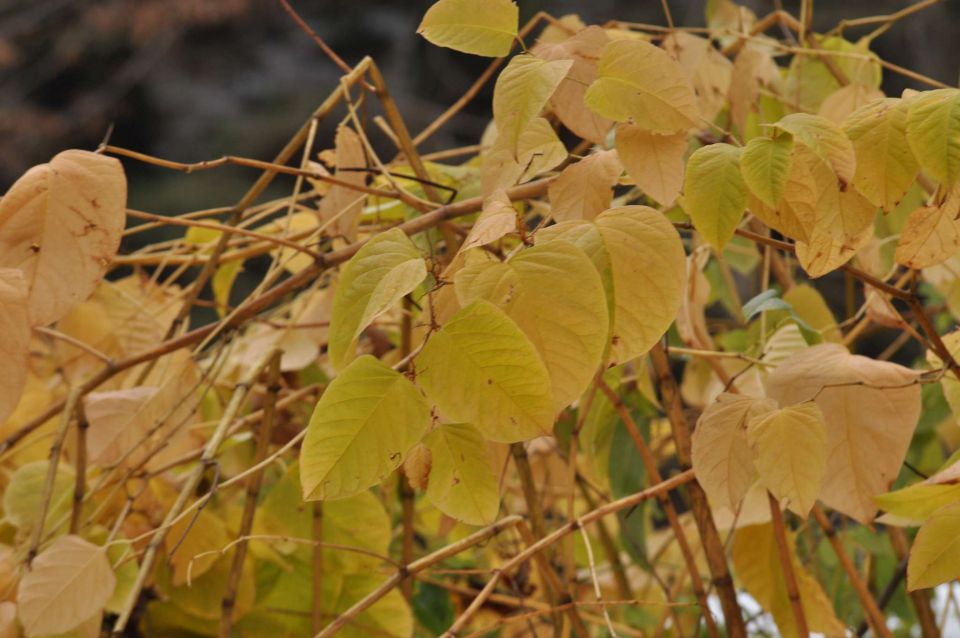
[{"x": 786, "y": 566}]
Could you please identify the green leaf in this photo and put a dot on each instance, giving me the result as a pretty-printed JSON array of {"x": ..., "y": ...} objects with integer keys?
[
  {"x": 22, "y": 497},
  {"x": 914, "y": 504},
  {"x": 641, "y": 83},
  {"x": 572, "y": 337},
  {"x": 364, "y": 424},
  {"x": 714, "y": 193},
  {"x": 765, "y": 163},
  {"x": 933, "y": 131},
  {"x": 462, "y": 482},
  {"x": 482, "y": 28},
  {"x": 521, "y": 92},
  {"x": 385, "y": 269},
  {"x": 935, "y": 555},
  {"x": 480, "y": 368},
  {"x": 639, "y": 254}
]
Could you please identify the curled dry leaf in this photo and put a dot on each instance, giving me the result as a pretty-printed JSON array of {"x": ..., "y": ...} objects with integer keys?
[
  {"x": 342, "y": 205},
  {"x": 68, "y": 582},
  {"x": 61, "y": 224}
]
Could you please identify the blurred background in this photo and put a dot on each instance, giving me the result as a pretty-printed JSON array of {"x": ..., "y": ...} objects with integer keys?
[{"x": 195, "y": 79}]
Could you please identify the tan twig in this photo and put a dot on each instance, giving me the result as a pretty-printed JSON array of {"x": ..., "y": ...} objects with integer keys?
[{"x": 786, "y": 566}]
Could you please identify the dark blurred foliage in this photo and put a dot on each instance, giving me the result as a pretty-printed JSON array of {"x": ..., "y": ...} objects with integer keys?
[{"x": 196, "y": 79}]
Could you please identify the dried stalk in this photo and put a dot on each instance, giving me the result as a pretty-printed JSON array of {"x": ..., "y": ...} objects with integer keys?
[
  {"x": 709, "y": 537},
  {"x": 786, "y": 565},
  {"x": 253, "y": 492}
]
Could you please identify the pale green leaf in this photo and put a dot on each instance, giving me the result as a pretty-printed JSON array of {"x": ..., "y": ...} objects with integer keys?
[
  {"x": 935, "y": 554},
  {"x": 714, "y": 193},
  {"x": 933, "y": 131},
  {"x": 462, "y": 481},
  {"x": 824, "y": 138},
  {"x": 385, "y": 269},
  {"x": 480, "y": 368},
  {"x": 483, "y": 28},
  {"x": 364, "y": 424},
  {"x": 765, "y": 163},
  {"x": 641, "y": 83}
]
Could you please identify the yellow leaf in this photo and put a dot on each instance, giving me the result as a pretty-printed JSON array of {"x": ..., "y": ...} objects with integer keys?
[
  {"x": 765, "y": 164},
  {"x": 886, "y": 167},
  {"x": 462, "y": 483},
  {"x": 584, "y": 48},
  {"x": 68, "y": 582},
  {"x": 61, "y": 224},
  {"x": 754, "y": 69},
  {"x": 707, "y": 69},
  {"x": 639, "y": 255},
  {"x": 721, "y": 456},
  {"x": 914, "y": 504},
  {"x": 935, "y": 554},
  {"x": 482, "y": 28},
  {"x": 791, "y": 454},
  {"x": 809, "y": 81},
  {"x": 654, "y": 162},
  {"x": 480, "y": 368},
  {"x": 844, "y": 225},
  {"x": 538, "y": 150},
  {"x": 188, "y": 539},
  {"x": 585, "y": 189},
  {"x": 521, "y": 91},
  {"x": 933, "y": 131},
  {"x": 342, "y": 205},
  {"x": 847, "y": 99},
  {"x": 871, "y": 409},
  {"x": 931, "y": 235},
  {"x": 756, "y": 561},
  {"x": 364, "y": 424},
  {"x": 641, "y": 83},
  {"x": 571, "y": 337},
  {"x": 385, "y": 269},
  {"x": 810, "y": 306},
  {"x": 714, "y": 194},
  {"x": 825, "y": 139},
  {"x": 14, "y": 339},
  {"x": 498, "y": 218}
]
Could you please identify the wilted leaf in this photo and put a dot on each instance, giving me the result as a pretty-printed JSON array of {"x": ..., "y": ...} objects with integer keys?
[
  {"x": 585, "y": 189},
  {"x": 487, "y": 28},
  {"x": 498, "y": 218},
  {"x": 714, "y": 193},
  {"x": 61, "y": 223},
  {"x": 364, "y": 424},
  {"x": 480, "y": 368},
  {"x": 342, "y": 205},
  {"x": 462, "y": 483},
  {"x": 14, "y": 339},
  {"x": 654, "y": 162},
  {"x": 721, "y": 456},
  {"x": 584, "y": 48},
  {"x": 870, "y": 408},
  {"x": 641, "y": 83},
  {"x": 385, "y": 269},
  {"x": 68, "y": 582}
]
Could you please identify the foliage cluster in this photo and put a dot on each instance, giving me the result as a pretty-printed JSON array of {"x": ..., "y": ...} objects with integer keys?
[{"x": 512, "y": 388}]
